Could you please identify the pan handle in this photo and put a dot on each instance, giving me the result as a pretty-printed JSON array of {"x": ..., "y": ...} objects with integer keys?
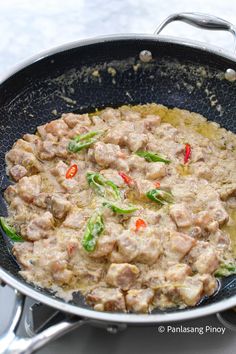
[
  {"x": 200, "y": 20},
  {"x": 11, "y": 343}
]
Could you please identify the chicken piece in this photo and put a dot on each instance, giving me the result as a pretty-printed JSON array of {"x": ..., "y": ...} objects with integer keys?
[
  {"x": 207, "y": 262},
  {"x": 39, "y": 227},
  {"x": 29, "y": 187},
  {"x": 60, "y": 169},
  {"x": 181, "y": 244},
  {"x": 191, "y": 291},
  {"x": 72, "y": 119},
  {"x": 122, "y": 275},
  {"x": 59, "y": 206},
  {"x": 181, "y": 216},
  {"x": 151, "y": 121},
  {"x": 136, "y": 141},
  {"x": 23, "y": 252},
  {"x": 57, "y": 128},
  {"x": 106, "y": 299},
  {"x": 105, "y": 245},
  {"x": 178, "y": 272},
  {"x": 17, "y": 172},
  {"x": 155, "y": 170},
  {"x": 105, "y": 154},
  {"x": 139, "y": 300}
]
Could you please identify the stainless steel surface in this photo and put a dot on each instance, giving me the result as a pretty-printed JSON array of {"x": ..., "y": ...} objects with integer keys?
[
  {"x": 200, "y": 20},
  {"x": 138, "y": 340},
  {"x": 11, "y": 343}
]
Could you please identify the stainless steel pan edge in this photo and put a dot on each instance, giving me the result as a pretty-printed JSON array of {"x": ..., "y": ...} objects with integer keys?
[{"x": 9, "y": 342}]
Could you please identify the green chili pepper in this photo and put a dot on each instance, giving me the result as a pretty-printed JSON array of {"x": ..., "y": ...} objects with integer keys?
[
  {"x": 120, "y": 210},
  {"x": 94, "y": 228},
  {"x": 152, "y": 157},
  {"x": 83, "y": 141},
  {"x": 225, "y": 269},
  {"x": 160, "y": 196},
  {"x": 102, "y": 186},
  {"x": 10, "y": 231}
]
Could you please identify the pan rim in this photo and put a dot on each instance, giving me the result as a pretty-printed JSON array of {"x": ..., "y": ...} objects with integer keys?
[
  {"x": 89, "y": 313},
  {"x": 116, "y": 317},
  {"x": 116, "y": 37}
]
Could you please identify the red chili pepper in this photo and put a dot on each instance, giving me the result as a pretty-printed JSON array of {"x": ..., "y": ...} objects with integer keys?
[
  {"x": 187, "y": 153},
  {"x": 157, "y": 184},
  {"x": 140, "y": 223},
  {"x": 72, "y": 171},
  {"x": 127, "y": 179}
]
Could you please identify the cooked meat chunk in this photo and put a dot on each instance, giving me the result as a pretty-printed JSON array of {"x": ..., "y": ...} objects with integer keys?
[
  {"x": 106, "y": 299},
  {"x": 23, "y": 251},
  {"x": 59, "y": 206},
  {"x": 151, "y": 122},
  {"x": 181, "y": 215},
  {"x": 29, "y": 187},
  {"x": 178, "y": 272},
  {"x": 181, "y": 244},
  {"x": 88, "y": 219},
  {"x": 25, "y": 159},
  {"x": 149, "y": 249},
  {"x": 219, "y": 214},
  {"x": 72, "y": 119},
  {"x": 191, "y": 291},
  {"x": 207, "y": 262},
  {"x": 155, "y": 170},
  {"x": 139, "y": 300},
  {"x": 39, "y": 227},
  {"x": 57, "y": 128},
  {"x": 105, "y": 246},
  {"x": 122, "y": 275},
  {"x": 105, "y": 154},
  {"x": 17, "y": 172},
  {"x": 136, "y": 141}
]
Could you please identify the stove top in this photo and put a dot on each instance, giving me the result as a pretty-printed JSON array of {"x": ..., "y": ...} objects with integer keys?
[{"x": 206, "y": 335}]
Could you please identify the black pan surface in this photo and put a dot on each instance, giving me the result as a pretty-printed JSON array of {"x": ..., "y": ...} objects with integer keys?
[{"x": 79, "y": 79}]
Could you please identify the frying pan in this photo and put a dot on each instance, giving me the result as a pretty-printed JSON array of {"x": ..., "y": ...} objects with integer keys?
[{"x": 107, "y": 71}]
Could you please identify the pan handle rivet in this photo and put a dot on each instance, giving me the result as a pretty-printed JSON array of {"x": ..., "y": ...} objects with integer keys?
[
  {"x": 230, "y": 75},
  {"x": 145, "y": 56}
]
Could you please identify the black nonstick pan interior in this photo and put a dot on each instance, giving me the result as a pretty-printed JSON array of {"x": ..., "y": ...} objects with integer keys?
[{"x": 110, "y": 73}]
